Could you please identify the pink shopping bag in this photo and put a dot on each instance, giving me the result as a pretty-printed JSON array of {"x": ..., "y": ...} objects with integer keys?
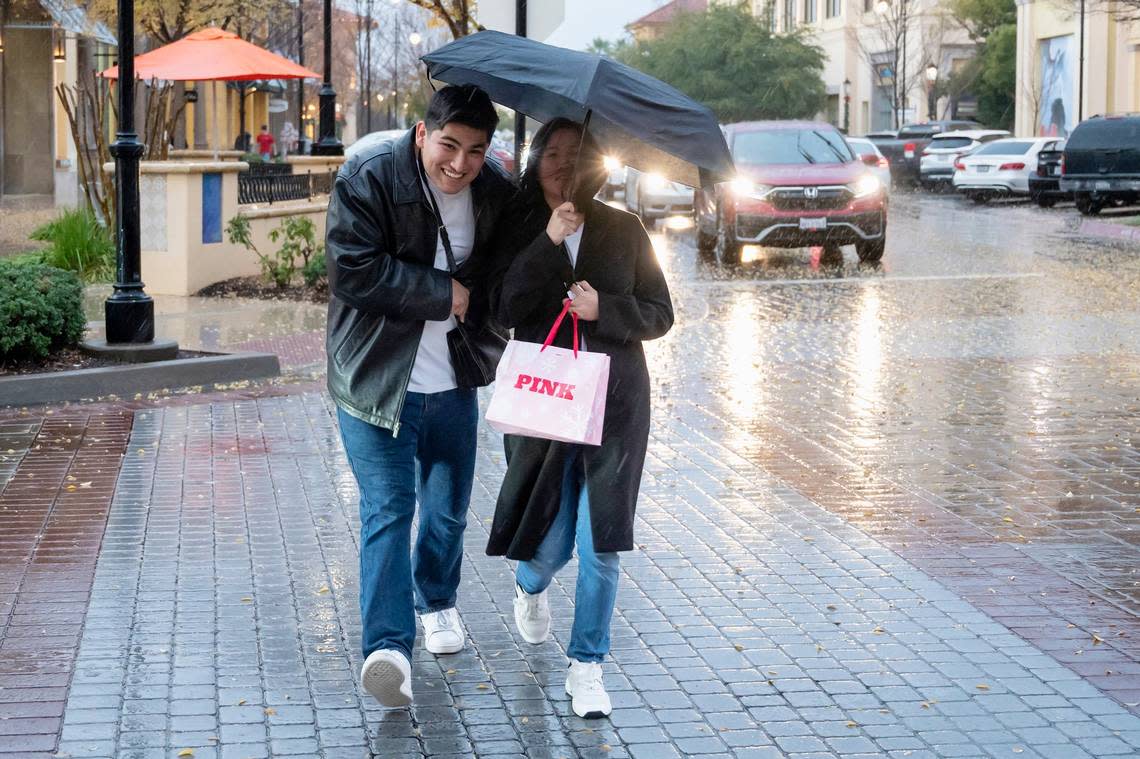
[{"x": 548, "y": 392}]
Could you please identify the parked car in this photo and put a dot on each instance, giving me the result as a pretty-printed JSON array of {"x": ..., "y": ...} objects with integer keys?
[
  {"x": 904, "y": 151},
  {"x": 936, "y": 167},
  {"x": 1000, "y": 168},
  {"x": 1101, "y": 163},
  {"x": 866, "y": 152},
  {"x": 799, "y": 184},
  {"x": 652, "y": 196},
  {"x": 1045, "y": 182},
  {"x": 371, "y": 140},
  {"x": 502, "y": 152},
  {"x": 615, "y": 178}
]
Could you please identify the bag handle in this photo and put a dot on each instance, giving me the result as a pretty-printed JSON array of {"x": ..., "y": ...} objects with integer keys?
[{"x": 558, "y": 323}]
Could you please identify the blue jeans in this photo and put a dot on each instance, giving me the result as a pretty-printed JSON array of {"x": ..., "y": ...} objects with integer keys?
[
  {"x": 433, "y": 458},
  {"x": 597, "y": 572}
]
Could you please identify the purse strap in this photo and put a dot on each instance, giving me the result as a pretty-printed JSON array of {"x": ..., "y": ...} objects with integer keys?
[
  {"x": 558, "y": 323},
  {"x": 443, "y": 236}
]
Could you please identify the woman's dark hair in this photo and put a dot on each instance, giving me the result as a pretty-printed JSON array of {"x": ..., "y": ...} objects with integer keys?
[
  {"x": 591, "y": 171},
  {"x": 462, "y": 104}
]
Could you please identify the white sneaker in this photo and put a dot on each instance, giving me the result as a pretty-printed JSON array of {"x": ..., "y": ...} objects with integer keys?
[
  {"x": 443, "y": 632},
  {"x": 585, "y": 688},
  {"x": 387, "y": 676},
  {"x": 532, "y": 615}
]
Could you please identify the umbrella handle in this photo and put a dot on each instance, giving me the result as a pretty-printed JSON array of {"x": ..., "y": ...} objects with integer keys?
[{"x": 578, "y": 158}]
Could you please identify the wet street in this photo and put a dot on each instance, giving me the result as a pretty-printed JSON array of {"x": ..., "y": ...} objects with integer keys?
[
  {"x": 887, "y": 511},
  {"x": 988, "y": 367}
]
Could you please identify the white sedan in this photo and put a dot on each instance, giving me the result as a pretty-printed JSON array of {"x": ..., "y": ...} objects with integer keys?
[
  {"x": 652, "y": 196},
  {"x": 1000, "y": 168}
]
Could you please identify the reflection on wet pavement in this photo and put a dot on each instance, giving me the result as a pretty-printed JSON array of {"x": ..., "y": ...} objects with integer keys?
[{"x": 988, "y": 367}]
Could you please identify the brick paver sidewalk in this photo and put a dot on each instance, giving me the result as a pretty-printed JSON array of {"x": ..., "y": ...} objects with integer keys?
[{"x": 751, "y": 622}]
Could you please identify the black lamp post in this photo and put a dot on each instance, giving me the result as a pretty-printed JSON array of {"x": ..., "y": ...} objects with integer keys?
[
  {"x": 129, "y": 310},
  {"x": 328, "y": 144}
]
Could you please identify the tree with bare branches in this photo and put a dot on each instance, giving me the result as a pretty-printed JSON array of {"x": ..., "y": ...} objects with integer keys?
[{"x": 457, "y": 15}]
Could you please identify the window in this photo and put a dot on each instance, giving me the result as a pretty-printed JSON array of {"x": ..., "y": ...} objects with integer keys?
[
  {"x": 791, "y": 147},
  {"x": 809, "y": 11},
  {"x": 789, "y": 15},
  {"x": 834, "y": 8},
  {"x": 1005, "y": 147}
]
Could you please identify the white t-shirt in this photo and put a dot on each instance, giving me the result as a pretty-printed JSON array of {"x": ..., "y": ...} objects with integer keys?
[
  {"x": 573, "y": 242},
  {"x": 432, "y": 372}
]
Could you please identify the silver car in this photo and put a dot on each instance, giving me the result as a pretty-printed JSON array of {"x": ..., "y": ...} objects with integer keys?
[
  {"x": 936, "y": 168},
  {"x": 652, "y": 196}
]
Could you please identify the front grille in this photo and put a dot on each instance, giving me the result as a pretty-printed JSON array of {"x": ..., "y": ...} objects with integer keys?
[{"x": 796, "y": 198}]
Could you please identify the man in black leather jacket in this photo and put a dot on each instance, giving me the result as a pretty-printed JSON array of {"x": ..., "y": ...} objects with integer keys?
[{"x": 409, "y": 431}]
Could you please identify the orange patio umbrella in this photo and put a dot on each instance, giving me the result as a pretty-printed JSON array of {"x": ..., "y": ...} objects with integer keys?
[{"x": 213, "y": 55}]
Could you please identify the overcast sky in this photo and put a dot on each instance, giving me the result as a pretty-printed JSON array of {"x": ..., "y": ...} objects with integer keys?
[{"x": 587, "y": 19}]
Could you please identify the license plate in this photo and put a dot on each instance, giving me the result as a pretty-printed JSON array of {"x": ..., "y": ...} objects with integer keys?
[
  {"x": 983, "y": 169},
  {"x": 1055, "y": 171},
  {"x": 816, "y": 224}
]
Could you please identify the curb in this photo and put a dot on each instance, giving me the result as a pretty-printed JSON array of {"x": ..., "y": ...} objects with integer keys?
[{"x": 83, "y": 384}]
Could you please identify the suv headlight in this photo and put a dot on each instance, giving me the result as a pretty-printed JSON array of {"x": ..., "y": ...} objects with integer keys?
[
  {"x": 868, "y": 184},
  {"x": 746, "y": 188}
]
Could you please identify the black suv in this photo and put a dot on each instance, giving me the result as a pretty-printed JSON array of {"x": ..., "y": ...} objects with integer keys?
[{"x": 1101, "y": 164}]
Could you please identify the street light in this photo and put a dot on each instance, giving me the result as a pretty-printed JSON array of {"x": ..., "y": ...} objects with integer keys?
[
  {"x": 328, "y": 144},
  {"x": 58, "y": 44},
  {"x": 415, "y": 38},
  {"x": 932, "y": 94}
]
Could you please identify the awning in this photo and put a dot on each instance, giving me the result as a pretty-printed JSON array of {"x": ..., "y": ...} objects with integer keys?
[{"x": 72, "y": 18}]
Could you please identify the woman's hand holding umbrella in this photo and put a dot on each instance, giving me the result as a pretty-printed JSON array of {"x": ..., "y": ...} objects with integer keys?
[{"x": 564, "y": 221}]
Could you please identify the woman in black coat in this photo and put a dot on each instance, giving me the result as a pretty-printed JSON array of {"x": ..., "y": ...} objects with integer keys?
[{"x": 556, "y": 495}]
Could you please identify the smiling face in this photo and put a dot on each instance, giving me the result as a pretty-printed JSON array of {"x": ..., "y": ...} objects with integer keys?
[
  {"x": 556, "y": 171},
  {"x": 453, "y": 155}
]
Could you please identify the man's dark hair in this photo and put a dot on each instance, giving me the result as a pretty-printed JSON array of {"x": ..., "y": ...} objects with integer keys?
[{"x": 466, "y": 104}]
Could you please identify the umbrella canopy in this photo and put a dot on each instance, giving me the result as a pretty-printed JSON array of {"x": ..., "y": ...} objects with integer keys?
[
  {"x": 213, "y": 54},
  {"x": 639, "y": 120}
]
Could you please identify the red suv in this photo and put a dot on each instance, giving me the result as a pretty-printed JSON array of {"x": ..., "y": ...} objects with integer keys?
[{"x": 799, "y": 184}]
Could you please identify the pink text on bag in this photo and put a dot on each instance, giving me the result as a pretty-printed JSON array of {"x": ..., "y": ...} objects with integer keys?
[{"x": 545, "y": 386}]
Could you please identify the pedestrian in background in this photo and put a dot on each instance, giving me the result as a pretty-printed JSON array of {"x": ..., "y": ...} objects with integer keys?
[
  {"x": 409, "y": 430},
  {"x": 265, "y": 143},
  {"x": 556, "y": 496}
]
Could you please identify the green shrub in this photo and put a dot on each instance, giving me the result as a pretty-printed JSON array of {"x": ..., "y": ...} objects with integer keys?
[
  {"x": 41, "y": 310},
  {"x": 299, "y": 249},
  {"x": 78, "y": 243},
  {"x": 315, "y": 272}
]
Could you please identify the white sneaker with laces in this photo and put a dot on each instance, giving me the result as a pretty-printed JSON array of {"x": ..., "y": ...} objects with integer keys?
[
  {"x": 443, "y": 632},
  {"x": 532, "y": 615},
  {"x": 587, "y": 693},
  {"x": 387, "y": 676}
]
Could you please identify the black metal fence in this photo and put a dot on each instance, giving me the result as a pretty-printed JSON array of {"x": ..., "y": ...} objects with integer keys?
[{"x": 275, "y": 187}]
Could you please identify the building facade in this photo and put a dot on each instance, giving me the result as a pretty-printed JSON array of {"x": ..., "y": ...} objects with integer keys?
[
  {"x": 1052, "y": 94},
  {"x": 885, "y": 58}
]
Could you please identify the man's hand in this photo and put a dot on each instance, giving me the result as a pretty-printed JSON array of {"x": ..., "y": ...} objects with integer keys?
[
  {"x": 563, "y": 223},
  {"x": 585, "y": 302},
  {"x": 460, "y": 299}
]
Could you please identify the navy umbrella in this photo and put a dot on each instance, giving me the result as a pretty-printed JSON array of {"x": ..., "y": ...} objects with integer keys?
[{"x": 637, "y": 119}]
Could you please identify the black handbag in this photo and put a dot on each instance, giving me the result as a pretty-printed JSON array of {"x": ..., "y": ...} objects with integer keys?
[{"x": 474, "y": 349}]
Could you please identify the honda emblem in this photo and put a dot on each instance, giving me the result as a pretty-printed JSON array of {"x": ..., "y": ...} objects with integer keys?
[{"x": 811, "y": 193}]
